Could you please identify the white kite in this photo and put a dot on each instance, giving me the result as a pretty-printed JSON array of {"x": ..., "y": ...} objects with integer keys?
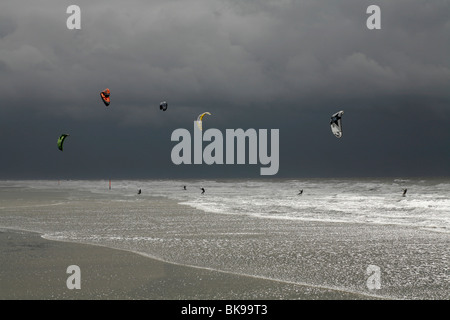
[{"x": 336, "y": 124}]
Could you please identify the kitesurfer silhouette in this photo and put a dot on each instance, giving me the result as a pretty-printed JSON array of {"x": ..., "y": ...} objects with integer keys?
[
  {"x": 404, "y": 192},
  {"x": 139, "y": 191},
  {"x": 203, "y": 190},
  {"x": 184, "y": 187},
  {"x": 301, "y": 192}
]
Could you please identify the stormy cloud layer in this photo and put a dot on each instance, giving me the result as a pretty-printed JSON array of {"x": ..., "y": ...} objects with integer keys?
[{"x": 281, "y": 64}]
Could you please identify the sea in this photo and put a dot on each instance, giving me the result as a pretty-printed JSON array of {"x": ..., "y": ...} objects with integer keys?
[{"x": 332, "y": 235}]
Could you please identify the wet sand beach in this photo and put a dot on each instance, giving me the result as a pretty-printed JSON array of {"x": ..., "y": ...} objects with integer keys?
[{"x": 33, "y": 268}]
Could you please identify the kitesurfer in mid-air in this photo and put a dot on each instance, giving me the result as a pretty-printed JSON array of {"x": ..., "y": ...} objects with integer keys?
[
  {"x": 203, "y": 190},
  {"x": 404, "y": 192}
]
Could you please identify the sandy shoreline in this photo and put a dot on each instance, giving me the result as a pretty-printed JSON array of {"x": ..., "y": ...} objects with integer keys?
[{"x": 33, "y": 268}]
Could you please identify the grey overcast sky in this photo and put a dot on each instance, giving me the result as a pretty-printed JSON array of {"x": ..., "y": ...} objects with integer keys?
[{"x": 263, "y": 64}]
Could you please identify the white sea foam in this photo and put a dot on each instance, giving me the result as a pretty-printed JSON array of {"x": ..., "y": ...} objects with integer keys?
[{"x": 426, "y": 205}]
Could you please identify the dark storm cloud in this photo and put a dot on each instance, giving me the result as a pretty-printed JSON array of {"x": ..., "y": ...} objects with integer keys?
[
  {"x": 7, "y": 25},
  {"x": 261, "y": 64},
  {"x": 239, "y": 52}
]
